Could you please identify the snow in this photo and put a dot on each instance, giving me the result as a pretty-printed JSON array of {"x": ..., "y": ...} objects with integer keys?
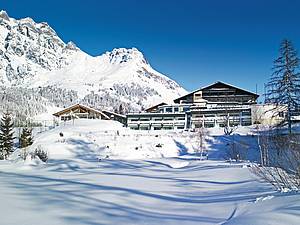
[
  {"x": 36, "y": 57},
  {"x": 102, "y": 139},
  {"x": 47, "y": 116},
  {"x": 87, "y": 74},
  {"x": 4, "y": 15},
  {"x": 169, "y": 184},
  {"x": 264, "y": 198},
  {"x": 273, "y": 210}
]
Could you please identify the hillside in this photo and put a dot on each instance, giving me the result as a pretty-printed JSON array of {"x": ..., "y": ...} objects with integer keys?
[{"x": 36, "y": 62}]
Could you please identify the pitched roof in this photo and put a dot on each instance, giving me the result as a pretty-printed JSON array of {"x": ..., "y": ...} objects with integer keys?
[
  {"x": 82, "y": 106},
  {"x": 113, "y": 113},
  {"x": 155, "y": 106},
  {"x": 217, "y": 82}
]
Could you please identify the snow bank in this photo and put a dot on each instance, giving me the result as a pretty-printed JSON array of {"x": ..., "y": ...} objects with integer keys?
[
  {"x": 91, "y": 140},
  {"x": 273, "y": 210}
]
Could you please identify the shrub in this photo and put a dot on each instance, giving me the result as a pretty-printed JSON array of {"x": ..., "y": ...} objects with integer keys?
[{"x": 40, "y": 153}]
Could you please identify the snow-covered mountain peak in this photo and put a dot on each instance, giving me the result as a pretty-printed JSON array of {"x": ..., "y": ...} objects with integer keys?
[
  {"x": 29, "y": 49},
  {"x": 4, "y": 15},
  {"x": 71, "y": 46},
  {"x": 124, "y": 55},
  {"x": 27, "y": 20},
  {"x": 32, "y": 55}
]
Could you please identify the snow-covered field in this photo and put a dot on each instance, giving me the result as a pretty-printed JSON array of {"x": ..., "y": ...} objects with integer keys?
[{"x": 101, "y": 173}]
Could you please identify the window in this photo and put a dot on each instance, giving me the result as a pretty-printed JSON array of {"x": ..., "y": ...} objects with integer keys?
[
  {"x": 221, "y": 125},
  {"x": 281, "y": 114},
  {"x": 198, "y": 125},
  {"x": 246, "y": 113},
  {"x": 208, "y": 125},
  {"x": 246, "y": 122},
  {"x": 169, "y": 110},
  {"x": 175, "y": 109},
  {"x": 234, "y": 123},
  {"x": 186, "y": 108},
  {"x": 65, "y": 118},
  {"x": 144, "y": 128},
  {"x": 144, "y": 119}
]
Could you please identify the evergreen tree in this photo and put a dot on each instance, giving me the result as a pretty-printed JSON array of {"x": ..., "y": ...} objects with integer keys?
[
  {"x": 26, "y": 138},
  {"x": 121, "y": 110},
  {"x": 283, "y": 87},
  {"x": 6, "y": 136}
]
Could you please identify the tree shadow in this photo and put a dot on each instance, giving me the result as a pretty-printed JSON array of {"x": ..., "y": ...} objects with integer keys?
[
  {"x": 219, "y": 147},
  {"x": 100, "y": 198},
  {"x": 183, "y": 150}
]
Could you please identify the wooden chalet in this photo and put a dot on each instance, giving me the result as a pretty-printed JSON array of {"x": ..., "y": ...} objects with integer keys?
[{"x": 79, "y": 111}]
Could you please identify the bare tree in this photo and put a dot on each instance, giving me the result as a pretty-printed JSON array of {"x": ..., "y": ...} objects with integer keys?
[
  {"x": 201, "y": 135},
  {"x": 280, "y": 163},
  {"x": 263, "y": 136},
  {"x": 228, "y": 130}
]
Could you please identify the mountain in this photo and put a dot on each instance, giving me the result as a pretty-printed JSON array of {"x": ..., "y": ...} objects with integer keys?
[{"x": 35, "y": 62}]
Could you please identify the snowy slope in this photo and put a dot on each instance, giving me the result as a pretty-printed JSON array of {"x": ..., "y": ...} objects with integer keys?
[
  {"x": 101, "y": 139},
  {"x": 148, "y": 185},
  {"x": 33, "y": 56},
  {"x": 29, "y": 49},
  {"x": 124, "y": 73},
  {"x": 133, "y": 192},
  {"x": 105, "y": 138}
]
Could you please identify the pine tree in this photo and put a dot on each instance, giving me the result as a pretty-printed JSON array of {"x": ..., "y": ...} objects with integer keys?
[
  {"x": 6, "y": 136},
  {"x": 283, "y": 88},
  {"x": 121, "y": 110},
  {"x": 26, "y": 138}
]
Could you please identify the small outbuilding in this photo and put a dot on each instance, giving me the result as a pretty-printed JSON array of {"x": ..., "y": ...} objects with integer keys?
[{"x": 79, "y": 111}]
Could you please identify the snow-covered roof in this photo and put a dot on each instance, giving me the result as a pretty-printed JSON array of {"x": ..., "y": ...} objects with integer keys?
[
  {"x": 113, "y": 113},
  {"x": 82, "y": 106},
  {"x": 155, "y": 106},
  {"x": 221, "y": 82}
]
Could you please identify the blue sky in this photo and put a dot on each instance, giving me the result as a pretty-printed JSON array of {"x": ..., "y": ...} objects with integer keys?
[{"x": 192, "y": 41}]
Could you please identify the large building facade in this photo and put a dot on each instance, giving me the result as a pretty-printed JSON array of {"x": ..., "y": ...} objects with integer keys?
[{"x": 216, "y": 105}]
